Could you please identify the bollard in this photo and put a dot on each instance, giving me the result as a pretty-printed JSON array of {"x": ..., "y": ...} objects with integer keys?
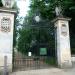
[{"x": 5, "y": 72}]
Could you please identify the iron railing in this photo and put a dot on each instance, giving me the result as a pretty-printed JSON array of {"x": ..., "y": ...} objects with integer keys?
[{"x": 29, "y": 63}]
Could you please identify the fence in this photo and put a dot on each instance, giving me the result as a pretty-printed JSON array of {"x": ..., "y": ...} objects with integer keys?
[{"x": 29, "y": 63}]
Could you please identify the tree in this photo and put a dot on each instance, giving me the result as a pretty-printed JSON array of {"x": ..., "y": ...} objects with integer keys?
[
  {"x": 1, "y": 4},
  {"x": 45, "y": 9},
  {"x": 35, "y": 33}
]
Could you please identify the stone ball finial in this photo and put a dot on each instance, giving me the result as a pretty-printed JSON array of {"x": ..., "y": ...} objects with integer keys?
[{"x": 8, "y": 3}]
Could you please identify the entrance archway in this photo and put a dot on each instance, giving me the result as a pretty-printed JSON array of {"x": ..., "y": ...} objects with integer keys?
[{"x": 41, "y": 50}]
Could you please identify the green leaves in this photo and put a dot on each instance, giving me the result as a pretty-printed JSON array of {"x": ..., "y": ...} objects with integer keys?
[
  {"x": 46, "y": 8},
  {"x": 1, "y": 4}
]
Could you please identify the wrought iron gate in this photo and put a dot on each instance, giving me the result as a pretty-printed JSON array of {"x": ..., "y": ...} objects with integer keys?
[
  {"x": 42, "y": 48},
  {"x": 32, "y": 63}
]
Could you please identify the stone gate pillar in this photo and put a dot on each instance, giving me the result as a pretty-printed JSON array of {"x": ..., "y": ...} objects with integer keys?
[
  {"x": 6, "y": 36},
  {"x": 63, "y": 42}
]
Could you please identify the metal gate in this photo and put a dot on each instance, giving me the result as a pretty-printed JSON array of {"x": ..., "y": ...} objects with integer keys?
[
  {"x": 42, "y": 48},
  {"x": 32, "y": 63}
]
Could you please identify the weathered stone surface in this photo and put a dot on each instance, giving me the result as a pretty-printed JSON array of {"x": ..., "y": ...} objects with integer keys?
[
  {"x": 63, "y": 42},
  {"x": 6, "y": 37}
]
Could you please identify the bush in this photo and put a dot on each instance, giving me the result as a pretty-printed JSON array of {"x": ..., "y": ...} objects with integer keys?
[
  {"x": 51, "y": 61},
  {"x": 73, "y": 51}
]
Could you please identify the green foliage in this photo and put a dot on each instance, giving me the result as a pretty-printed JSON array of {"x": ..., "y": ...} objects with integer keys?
[
  {"x": 28, "y": 38},
  {"x": 24, "y": 41},
  {"x": 46, "y": 8},
  {"x": 51, "y": 61},
  {"x": 16, "y": 23},
  {"x": 1, "y": 4}
]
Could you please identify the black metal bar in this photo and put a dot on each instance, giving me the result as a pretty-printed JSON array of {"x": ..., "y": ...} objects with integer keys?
[{"x": 34, "y": 62}]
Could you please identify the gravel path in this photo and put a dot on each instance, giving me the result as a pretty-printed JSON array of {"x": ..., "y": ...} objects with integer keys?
[{"x": 50, "y": 71}]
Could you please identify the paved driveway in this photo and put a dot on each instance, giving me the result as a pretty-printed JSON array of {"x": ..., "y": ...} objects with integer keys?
[{"x": 50, "y": 71}]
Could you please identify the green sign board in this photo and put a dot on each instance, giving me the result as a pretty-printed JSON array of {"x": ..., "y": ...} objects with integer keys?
[{"x": 43, "y": 51}]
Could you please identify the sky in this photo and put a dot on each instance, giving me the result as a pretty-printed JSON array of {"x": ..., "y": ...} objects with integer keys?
[{"x": 24, "y": 7}]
